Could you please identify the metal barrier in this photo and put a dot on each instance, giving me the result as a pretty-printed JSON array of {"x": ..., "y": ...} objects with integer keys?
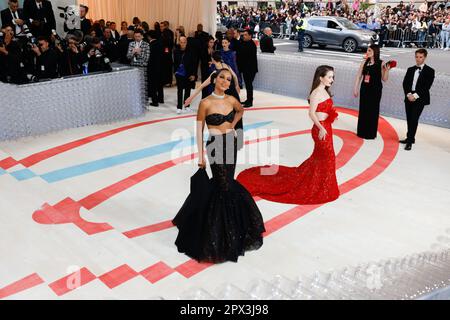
[
  {"x": 409, "y": 37},
  {"x": 395, "y": 37},
  {"x": 291, "y": 75},
  {"x": 51, "y": 106}
]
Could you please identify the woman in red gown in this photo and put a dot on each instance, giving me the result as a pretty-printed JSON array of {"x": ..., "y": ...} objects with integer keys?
[{"x": 314, "y": 181}]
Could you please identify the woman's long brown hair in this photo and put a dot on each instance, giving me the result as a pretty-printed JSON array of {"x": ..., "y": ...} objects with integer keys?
[{"x": 321, "y": 72}]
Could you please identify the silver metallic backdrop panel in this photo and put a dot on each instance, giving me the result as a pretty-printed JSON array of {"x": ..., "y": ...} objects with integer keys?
[
  {"x": 292, "y": 76},
  {"x": 40, "y": 108}
]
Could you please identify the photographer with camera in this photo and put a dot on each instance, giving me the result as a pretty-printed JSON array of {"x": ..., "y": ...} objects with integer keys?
[
  {"x": 70, "y": 56},
  {"x": 96, "y": 57},
  {"x": 11, "y": 65},
  {"x": 46, "y": 59}
]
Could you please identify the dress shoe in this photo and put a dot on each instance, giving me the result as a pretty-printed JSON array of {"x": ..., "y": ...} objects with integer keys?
[
  {"x": 408, "y": 147},
  {"x": 247, "y": 104},
  {"x": 154, "y": 104},
  {"x": 405, "y": 141}
]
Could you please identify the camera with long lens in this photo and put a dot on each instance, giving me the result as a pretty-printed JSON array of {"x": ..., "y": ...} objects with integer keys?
[
  {"x": 31, "y": 41},
  {"x": 25, "y": 29},
  {"x": 82, "y": 45},
  {"x": 63, "y": 42},
  {"x": 106, "y": 62}
]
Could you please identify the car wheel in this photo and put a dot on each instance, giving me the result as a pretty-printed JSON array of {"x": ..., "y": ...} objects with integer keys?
[
  {"x": 350, "y": 45},
  {"x": 307, "y": 41},
  {"x": 322, "y": 46}
]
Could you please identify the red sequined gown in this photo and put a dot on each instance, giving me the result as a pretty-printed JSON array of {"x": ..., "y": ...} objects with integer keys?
[{"x": 313, "y": 182}]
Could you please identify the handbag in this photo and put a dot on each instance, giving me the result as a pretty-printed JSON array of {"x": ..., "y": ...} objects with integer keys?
[{"x": 181, "y": 71}]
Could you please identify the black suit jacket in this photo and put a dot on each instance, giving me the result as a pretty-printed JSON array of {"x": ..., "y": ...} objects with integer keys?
[
  {"x": 47, "y": 65},
  {"x": 247, "y": 57},
  {"x": 266, "y": 44},
  {"x": 7, "y": 18},
  {"x": 186, "y": 57},
  {"x": 155, "y": 62},
  {"x": 117, "y": 34},
  {"x": 111, "y": 47},
  {"x": 46, "y": 14},
  {"x": 86, "y": 26},
  {"x": 423, "y": 86},
  {"x": 203, "y": 38}
]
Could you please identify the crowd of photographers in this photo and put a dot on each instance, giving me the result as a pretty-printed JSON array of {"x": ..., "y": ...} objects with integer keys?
[{"x": 31, "y": 50}]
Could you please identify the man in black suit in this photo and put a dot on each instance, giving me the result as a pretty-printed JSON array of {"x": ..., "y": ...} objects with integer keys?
[
  {"x": 110, "y": 45},
  {"x": 124, "y": 44},
  {"x": 14, "y": 17},
  {"x": 167, "y": 40},
  {"x": 202, "y": 36},
  {"x": 266, "y": 42},
  {"x": 155, "y": 85},
  {"x": 40, "y": 14},
  {"x": 85, "y": 24},
  {"x": 416, "y": 85},
  {"x": 248, "y": 64},
  {"x": 114, "y": 33}
]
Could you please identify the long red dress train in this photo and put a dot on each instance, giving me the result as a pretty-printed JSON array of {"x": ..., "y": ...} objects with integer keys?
[{"x": 313, "y": 182}]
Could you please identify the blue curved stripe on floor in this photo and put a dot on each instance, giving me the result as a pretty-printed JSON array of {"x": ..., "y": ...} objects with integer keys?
[{"x": 88, "y": 167}]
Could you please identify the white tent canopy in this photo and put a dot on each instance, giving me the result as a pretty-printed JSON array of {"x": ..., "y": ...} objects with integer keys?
[{"x": 187, "y": 13}]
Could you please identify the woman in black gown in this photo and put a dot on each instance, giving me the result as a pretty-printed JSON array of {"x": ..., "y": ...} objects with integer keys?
[
  {"x": 221, "y": 221},
  {"x": 369, "y": 86}
]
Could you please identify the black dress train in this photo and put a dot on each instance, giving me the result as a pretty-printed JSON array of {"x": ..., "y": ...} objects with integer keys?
[{"x": 219, "y": 220}]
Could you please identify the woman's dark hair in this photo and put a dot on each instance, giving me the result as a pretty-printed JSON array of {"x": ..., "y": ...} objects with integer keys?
[
  {"x": 320, "y": 73},
  {"x": 211, "y": 38},
  {"x": 216, "y": 74},
  {"x": 153, "y": 34},
  {"x": 219, "y": 35},
  {"x": 145, "y": 26},
  {"x": 376, "y": 53},
  {"x": 217, "y": 56}
]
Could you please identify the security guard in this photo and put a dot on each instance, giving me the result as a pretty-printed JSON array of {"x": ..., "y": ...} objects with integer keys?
[{"x": 301, "y": 27}]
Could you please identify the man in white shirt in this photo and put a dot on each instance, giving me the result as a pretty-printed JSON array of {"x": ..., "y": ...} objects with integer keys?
[{"x": 13, "y": 17}]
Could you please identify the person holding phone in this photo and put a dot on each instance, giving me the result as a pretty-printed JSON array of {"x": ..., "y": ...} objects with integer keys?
[{"x": 369, "y": 87}]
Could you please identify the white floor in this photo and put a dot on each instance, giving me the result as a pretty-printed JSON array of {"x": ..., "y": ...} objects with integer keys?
[{"x": 403, "y": 210}]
